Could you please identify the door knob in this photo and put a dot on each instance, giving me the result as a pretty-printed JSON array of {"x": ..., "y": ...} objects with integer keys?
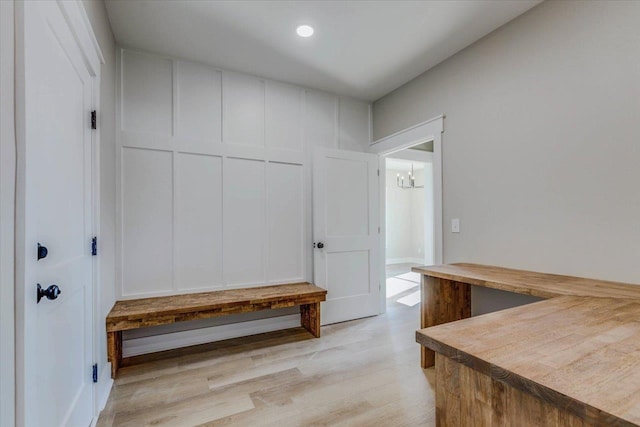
[
  {"x": 42, "y": 251},
  {"x": 320, "y": 245},
  {"x": 51, "y": 292}
]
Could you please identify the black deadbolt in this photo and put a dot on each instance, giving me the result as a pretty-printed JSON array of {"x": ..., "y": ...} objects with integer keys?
[
  {"x": 42, "y": 251},
  {"x": 51, "y": 292}
]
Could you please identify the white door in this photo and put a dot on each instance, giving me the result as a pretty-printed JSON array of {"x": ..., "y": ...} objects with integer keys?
[
  {"x": 55, "y": 202},
  {"x": 346, "y": 233}
]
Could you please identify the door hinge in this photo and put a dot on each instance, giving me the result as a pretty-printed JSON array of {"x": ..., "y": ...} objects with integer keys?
[
  {"x": 378, "y": 230},
  {"x": 95, "y": 373},
  {"x": 94, "y": 246},
  {"x": 378, "y": 172},
  {"x": 94, "y": 120}
]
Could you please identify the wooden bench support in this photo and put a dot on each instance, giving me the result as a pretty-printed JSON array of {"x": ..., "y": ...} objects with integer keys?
[
  {"x": 114, "y": 351},
  {"x": 310, "y": 318},
  {"x": 141, "y": 313},
  {"x": 443, "y": 301}
]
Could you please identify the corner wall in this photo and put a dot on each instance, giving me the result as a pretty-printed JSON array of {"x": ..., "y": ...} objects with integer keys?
[
  {"x": 540, "y": 149},
  {"x": 7, "y": 205}
]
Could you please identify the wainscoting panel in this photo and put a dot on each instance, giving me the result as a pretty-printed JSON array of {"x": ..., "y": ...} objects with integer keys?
[
  {"x": 214, "y": 175},
  {"x": 243, "y": 116},
  {"x": 198, "y": 219},
  {"x": 285, "y": 222},
  {"x": 147, "y": 217},
  {"x": 284, "y": 117},
  {"x": 321, "y": 119},
  {"x": 244, "y": 222},
  {"x": 199, "y": 104},
  {"x": 147, "y": 94}
]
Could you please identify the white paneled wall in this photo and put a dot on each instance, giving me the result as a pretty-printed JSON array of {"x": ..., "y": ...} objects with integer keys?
[
  {"x": 214, "y": 185},
  {"x": 199, "y": 214}
]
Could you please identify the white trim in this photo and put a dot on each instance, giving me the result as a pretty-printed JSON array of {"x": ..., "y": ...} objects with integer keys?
[
  {"x": 105, "y": 384},
  {"x": 430, "y": 130},
  {"x": 412, "y": 155},
  {"x": 92, "y": 35},
  {"x": 96, "y": 262},
  {"x": 414, "y": 135},
  {"x": 382, "y": 200},
  {"x": 73, "y": 12},
  {"x": 118, "y": 259},
  {"x": 391, "y": 261},
  {"x": 170, "y": 341}
]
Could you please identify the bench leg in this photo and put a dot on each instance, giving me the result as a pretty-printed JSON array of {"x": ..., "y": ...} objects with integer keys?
[
  {"x": 114, "y": 351},
  {"x": 310, "y": 318}
]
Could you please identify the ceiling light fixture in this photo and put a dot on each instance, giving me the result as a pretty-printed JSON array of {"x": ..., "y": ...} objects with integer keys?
[
  {"x": 304, "y": 31},
  {"x": 412, "y": 180}
]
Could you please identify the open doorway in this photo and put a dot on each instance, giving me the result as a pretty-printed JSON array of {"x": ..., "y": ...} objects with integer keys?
[
  {"x": 409, "y": 209},
  {"x": 425, "y": 137}
]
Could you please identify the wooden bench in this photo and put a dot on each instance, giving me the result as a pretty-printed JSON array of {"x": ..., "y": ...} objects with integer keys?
[{"x": 145, "y": 312}]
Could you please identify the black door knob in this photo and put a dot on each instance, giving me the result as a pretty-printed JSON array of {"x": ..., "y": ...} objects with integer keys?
[
  {"x": 42, "y": 251},
  {"x": 320, "y": 245},
  {"x": 51, "y": 292}
]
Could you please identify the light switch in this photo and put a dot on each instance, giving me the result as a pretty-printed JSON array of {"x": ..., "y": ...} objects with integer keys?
[{"x": 455, "y": 225}]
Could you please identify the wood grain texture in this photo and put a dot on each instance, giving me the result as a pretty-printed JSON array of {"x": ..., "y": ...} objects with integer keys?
[
  {"x": 443, "y": 301},
  {"x": 132, "y": 314},
  {"x": 480, "y": 400},
  {"x": 540, "y": 285},
  {"x": 360, "y": 373},
  {"x": 114, "y": 351},
  {"x": 579, "y": 355},
  {"x": 446, "y": 291},
  {"x": 310, "y": 318},
  {"x": 140, "y": 313}
]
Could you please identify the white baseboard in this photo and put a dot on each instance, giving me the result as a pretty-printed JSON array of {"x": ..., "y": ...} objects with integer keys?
[
  {"x": 405, "y": 261},
  {"x": 103, "y": 389},
  {"x": 152, "y": 344},
  {"x": 104, "y": 386}
]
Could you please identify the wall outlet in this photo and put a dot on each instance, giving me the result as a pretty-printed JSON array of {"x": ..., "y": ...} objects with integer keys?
[{"x": 455, "y": 225}]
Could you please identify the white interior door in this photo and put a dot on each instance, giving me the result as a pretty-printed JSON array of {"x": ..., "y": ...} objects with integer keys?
[
  {"x": 346, "y": 233},
  {"x": 55, "y": 201}
]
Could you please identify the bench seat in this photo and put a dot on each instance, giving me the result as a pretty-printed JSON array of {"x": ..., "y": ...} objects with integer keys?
[{"x": 145, "y": 312}]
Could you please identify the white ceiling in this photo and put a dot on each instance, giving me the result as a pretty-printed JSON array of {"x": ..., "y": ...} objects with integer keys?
[{"x": 363, "y": 49}]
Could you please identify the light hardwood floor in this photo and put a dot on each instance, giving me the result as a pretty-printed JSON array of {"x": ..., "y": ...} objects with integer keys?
[{"x": 360, "y": 373}]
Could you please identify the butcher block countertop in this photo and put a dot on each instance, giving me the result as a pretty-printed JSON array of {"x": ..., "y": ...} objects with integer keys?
[
  {"x": 540, "y": 285},
  {"x": 581, "y": 353}
]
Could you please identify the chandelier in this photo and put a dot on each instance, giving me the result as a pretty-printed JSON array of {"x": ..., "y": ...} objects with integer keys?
[{"x": 411, "y": 180}]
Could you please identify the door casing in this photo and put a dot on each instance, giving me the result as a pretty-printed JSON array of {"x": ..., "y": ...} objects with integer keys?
[{"x": 427, "y": 131}]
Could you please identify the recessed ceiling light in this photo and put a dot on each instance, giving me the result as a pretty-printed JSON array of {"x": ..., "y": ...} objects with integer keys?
[{"x": 304, "y": 31}]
